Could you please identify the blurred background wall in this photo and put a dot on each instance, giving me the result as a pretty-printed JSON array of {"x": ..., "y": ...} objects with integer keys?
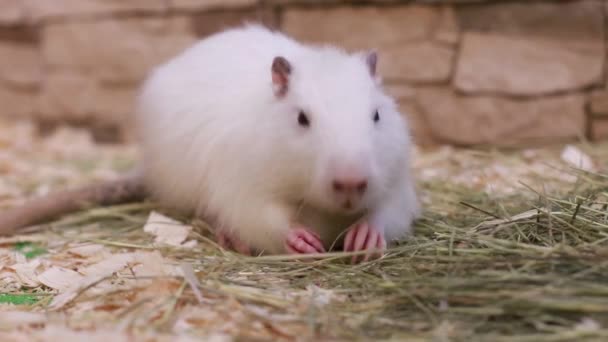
[{"x": 466, "y": 72}]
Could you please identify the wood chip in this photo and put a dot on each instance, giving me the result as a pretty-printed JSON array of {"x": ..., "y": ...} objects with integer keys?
[
  {"x": 153, "y": 264},
  {"x": 60, "y": 278},
  {"x": 577, "y": 158},
  {"x": 87, "y": 250},
  {"x": 93, "y": 274},
  {"x": 26, "y": 273},
  {"x": 167, "y": 230}
]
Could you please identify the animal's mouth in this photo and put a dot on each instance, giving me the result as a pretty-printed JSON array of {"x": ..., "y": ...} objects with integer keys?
[
  {"x": 346, "y": 206},
  {"x": 350, "y": 207}
]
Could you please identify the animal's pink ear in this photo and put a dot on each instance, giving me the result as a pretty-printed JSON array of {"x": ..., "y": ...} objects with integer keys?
[
  {"x": 371, "y": 59},
  {"x": 281, "y": 69}
]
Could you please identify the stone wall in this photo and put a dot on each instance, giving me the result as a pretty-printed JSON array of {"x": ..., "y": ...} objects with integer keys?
[{"x": 465, "y": 72}]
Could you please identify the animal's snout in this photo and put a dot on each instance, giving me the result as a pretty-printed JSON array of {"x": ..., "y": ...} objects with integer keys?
[
  {"x": 350, "y": 185},
  {"x": 349, "y": 181}
]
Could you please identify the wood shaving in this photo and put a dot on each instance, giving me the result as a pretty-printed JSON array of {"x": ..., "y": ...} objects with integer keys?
[
  {"x": 60, "y": 278},
  {"x": 577, "y": 158},
  {"x": 168, "y": 231},
  {"x": 27, "y": 273},
  {"x": 87, "y": 250},
  {"x": 92, "y": 274}
]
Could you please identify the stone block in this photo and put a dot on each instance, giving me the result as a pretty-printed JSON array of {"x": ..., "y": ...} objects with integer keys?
[
  {"x": 599, "y": 129},
  {"x": 11, "y": 12},
  {"x": 44, "y": 9},
  {"x": 405, "y": 96},
  {"x": 598, "y": 104},
  {"x": 406, "y": 36},
  {"x": 568, "y": 20},
  {"x": 420, "y": 62},
  {"x": 74, "y": 97},
  {"x": 472, "y": 120},
  {"x": 526, "y": 66},
  {"x": 206, "y": 23},
  {"x": 448, "y": 28},
  {"x": 18, "y": 103},
  {"x": 115, "y": 51},
  {"x": 530, "y": 49},
  {"x": 422, "y": 134},
  {"x": 20, "y": 64},
  {"x": 211, "y": 4},
  {"x": 400, "y": 91}
]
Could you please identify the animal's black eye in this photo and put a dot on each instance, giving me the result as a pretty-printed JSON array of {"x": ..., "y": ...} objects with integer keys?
[
  {"x": 376, "y": 116},
  {"x": 303, "y": 119}
]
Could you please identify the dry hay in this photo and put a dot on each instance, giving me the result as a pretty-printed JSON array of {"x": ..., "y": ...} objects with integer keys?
[{"x": 513, "y": 246}]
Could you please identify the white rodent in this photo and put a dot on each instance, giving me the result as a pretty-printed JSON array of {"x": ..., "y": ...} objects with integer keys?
[{"x": 283, "y": 146}]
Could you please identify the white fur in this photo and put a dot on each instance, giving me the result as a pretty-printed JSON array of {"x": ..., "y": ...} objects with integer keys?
[{"x": 217, "y": 142}]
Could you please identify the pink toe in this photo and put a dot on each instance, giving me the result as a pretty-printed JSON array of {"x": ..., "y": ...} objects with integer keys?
[
  {"x": 299, "y": 246},
  {"x": 361, "y": 232},
  {"x": 372, "y": 244},
  {"x": 372, "y": 239},
  {"x": 222, "y": 240},
  {"x": 242, "y": 247},
  {"x": 303, "y": 241},
  {"x": 290, "y": 249},
  {"x": 362, "y": 236},
  {"x": 381, "y": 243},
  {"x": 348, "y": 240},
  {"x": 308, "y": 249},
  {"x": 229, "y": 242},
  {"x": 310, "y": 233},
  {"x": 314, "y": 241}
]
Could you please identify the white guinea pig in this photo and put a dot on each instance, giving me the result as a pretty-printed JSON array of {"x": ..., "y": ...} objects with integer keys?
[{"x": 282, "y": 146}]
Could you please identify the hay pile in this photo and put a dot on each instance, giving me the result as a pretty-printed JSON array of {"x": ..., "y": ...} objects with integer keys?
[{"x": 513, "y": 246}]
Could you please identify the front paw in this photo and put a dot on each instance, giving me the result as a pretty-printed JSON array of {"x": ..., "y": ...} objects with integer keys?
[
  {"x": 303, "y": 241},
  {"x": 230, "y": 241},
  {"x": 364, "y": 237}
]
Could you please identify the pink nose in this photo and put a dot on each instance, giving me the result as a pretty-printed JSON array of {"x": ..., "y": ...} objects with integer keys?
[{"x": 350, "y": 185}]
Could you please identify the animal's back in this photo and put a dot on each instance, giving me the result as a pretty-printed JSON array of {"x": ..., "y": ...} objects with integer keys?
[{"x": 198, "y": 111}]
